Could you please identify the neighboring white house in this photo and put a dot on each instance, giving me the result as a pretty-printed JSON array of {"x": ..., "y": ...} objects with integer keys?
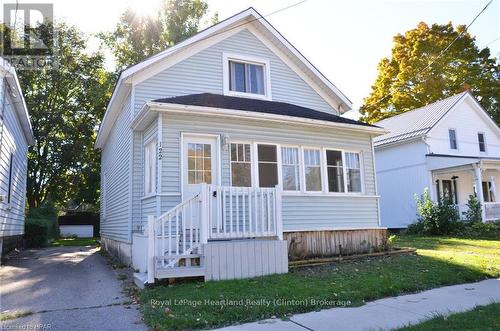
[
  {"x": 451, "y": 147},
  {"x": 15, "y": 137},
  {"x": 229, "y": 136}
]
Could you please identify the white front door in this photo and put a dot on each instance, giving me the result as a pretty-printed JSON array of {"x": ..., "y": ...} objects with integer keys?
[{"x": 200, "y": 163}]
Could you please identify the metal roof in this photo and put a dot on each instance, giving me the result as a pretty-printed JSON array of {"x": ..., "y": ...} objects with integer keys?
[{"x": 415, "y": 123}]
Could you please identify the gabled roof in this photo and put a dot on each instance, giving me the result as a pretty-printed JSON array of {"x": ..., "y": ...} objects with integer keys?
[
  {"x": 248, "y": 18},
  {"x": 418, "y": 122},
  {"x": 257, "y": 105},
  {"x": 8, "y": 73}
]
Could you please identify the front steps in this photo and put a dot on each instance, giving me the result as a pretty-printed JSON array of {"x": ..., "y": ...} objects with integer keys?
[{"x": 180, "y": 272}]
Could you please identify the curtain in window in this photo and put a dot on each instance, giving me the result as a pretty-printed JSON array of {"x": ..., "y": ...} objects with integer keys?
[
  {"x": 312, "y": 167},
  {"x": 353, "y": 172},
  {"x": 290, "y": 168}
]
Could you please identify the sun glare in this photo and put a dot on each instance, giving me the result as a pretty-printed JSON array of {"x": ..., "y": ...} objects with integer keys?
[{"x": 145, "y": 7}]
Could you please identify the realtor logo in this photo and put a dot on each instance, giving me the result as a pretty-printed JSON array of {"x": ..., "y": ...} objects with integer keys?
[{"x": 28, "y": 39}]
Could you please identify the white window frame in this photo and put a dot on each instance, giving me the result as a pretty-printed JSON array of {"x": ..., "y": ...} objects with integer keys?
[
  {"x": 252, "y": 158},
  {"x": 150, "y": 178},
  {"x": 226, "y": 57},
  {"x": 300, "y": 165},
  {"x": 321, "y": 170},
  {"x": 456, "y": 139},
  {"x": 256, "y": 162},
  {"x": 361, "y": 172},
  {"x": 10, "y": 181},
  {"x": 479, "y": 145}
]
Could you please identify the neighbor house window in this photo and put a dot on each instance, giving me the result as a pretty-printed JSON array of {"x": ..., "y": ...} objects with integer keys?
[
  {"x": 246, "y": 77},
  {"x": 241, "y": 165},
  {"x": 290, "y": 168},
  {"x": 312, "y": 169},
  {"x": 482, "y": 142},
  {"x": 452, "y": 133},
  {"x": 150, "y": 167},
  {"x": 199, "y": 163},
  {"x": 268, "y": 165},
  {"x": 11, "y": 168},
  {"x": 353, "y": 172},
  {"x": 488, "y": 195},
  {"x": 335, "y": 171}
]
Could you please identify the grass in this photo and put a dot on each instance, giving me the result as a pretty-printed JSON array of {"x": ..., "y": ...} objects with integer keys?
[
  {"x": 438, "y": 262},
  {"x": 74, "y": 242},
  {"x": 479, "y": 318},
  {"x": 11, "y": 316}
]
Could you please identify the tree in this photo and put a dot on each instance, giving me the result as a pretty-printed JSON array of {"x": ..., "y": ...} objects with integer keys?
[
  {"x": 400, "y": 86},
  {"x": 138, "y": 37},
  {"x": 474, "y": 212},
  {"x": 65, "y": 105}
]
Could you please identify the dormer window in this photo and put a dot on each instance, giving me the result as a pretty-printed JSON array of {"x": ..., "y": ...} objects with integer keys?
[
  {"x": 246, "y": 76},
  {"x": 452, "y": 133}
]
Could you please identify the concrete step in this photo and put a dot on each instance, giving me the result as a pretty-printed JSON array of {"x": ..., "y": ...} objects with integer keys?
[
  {"x": 180, "y": 272},
  {"x": 140, "y": 279}
]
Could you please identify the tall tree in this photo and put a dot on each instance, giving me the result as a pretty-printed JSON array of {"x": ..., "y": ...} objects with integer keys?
[
  {"x": 401, "y": 84},
  {"x": 137, "y": 37},
  {"x": 65, "y": 105}
]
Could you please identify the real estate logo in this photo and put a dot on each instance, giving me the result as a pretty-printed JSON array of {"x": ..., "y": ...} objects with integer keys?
[{"x": 28, "y": 38}]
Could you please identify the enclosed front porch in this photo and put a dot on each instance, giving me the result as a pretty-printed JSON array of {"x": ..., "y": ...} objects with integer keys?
[{"x": 479, "y": 178}]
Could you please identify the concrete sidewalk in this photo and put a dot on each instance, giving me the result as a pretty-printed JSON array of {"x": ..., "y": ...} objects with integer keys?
[{"x": 389, "y": 313}]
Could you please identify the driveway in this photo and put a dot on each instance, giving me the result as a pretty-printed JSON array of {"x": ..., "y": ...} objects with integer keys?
[{"x": 65, "y": 288}]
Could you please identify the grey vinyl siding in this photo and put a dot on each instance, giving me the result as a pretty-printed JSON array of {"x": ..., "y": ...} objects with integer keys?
[
  {"x": 116, "y": 164},
  {"x": 299, "y": 212},
  {"x": 203, "y": 73},
  {"x": 12, "y": 140}
]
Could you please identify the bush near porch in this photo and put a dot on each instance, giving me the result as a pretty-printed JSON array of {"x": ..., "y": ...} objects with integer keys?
[{"x": 439, "y": 261}]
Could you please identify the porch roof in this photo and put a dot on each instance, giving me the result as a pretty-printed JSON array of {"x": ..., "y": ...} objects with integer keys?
[
  {"x": 257, "y": 105},
  {"x": 456, "y": 162}
]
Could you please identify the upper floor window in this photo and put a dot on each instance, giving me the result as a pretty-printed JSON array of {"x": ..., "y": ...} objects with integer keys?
[
  {"x": 482, "y": 142},
  {"x": 246, "y": 76},
  {"x": 452, "y": 133}
]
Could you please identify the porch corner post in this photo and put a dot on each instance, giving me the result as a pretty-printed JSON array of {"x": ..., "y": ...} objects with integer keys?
[
  {"x": 279, "y": 219},
  {"x": 204, "y": 213},
  {"x": 151, "y": 249},
  {"x": 479, "y": 189}
]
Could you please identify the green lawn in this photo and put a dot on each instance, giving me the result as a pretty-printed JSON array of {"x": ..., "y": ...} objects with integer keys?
[
  {"x": 438, "y": 262},
  {"x": 74, "y": 242},
  {"x": 481, "y": 318}
]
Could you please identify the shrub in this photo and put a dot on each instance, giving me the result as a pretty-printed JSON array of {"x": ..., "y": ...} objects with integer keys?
[
  {"x": 41, "y": 225},
  {"x": 435, "y": 218},
  {"x": 489, "y": 230},
  {"x": 473, "y": 214}
]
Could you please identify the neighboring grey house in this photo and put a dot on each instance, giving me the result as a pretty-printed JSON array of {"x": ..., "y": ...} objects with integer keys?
[
  {"x": 15, "y": 137},
  {"x": 451, "y": 147},
  {"x": 229, "y": 136}
]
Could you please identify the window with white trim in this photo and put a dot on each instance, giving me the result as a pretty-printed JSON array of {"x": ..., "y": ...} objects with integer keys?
[
  {"x": 481, "y": 141},
  {"x": 11, "y": 173},
  {"x": 268, "y": 165},
  {"x": 150, "y": 167},
  {"x": 241, "y": 165},
  {"x": 452, "y": 133},
  {"x": 312, "y": 169},
  {"x": 353, "y": 172},
  {"x": 335, "y": 171},
  {"x": 247, "y": 77},
  {"x": 290, "y": 168}
]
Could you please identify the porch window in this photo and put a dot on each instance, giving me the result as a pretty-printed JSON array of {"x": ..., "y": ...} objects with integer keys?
[
  {"x": 312, "y": 169},
  {"x": 452, "y": 133},
  {"x": 268, "y": 165},
  {"x": 335, "y": 171},
  {"x": 290, "y": 168},
  {"x": 246, "y": 77},
  {"x": 241, "y": 165},
  {"x": 150, "y": 167},
  {"x": 199, "y": 163},
  {"x": 488, "y": 196},
  {"x": 482, "y": 142},
  {"x": 353, "y": 172}
]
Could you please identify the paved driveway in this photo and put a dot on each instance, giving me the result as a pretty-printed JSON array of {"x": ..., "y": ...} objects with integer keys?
[{"x": 65, "y": 288}]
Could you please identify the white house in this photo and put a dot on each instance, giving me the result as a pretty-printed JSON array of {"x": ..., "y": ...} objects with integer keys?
[
  {"x": 15, "y": 137},
  {"x": 227, "y": 137},
  {"x": 451, "y": 147}
]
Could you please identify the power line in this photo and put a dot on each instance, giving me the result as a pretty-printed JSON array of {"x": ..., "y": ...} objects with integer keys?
[
  {"x": 491, "y": 42},
  {"x": 440, "y": 53},
  {"x": 230, "y": 29}
]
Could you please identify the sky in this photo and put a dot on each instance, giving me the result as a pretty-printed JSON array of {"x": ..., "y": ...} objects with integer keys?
[{"x": 345, "y": 40}]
